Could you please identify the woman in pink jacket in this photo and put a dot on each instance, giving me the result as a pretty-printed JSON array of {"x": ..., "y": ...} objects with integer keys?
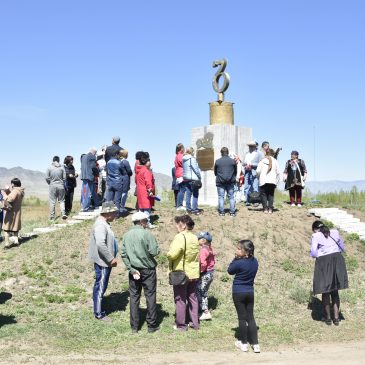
[{"x": 179, "y": 172}]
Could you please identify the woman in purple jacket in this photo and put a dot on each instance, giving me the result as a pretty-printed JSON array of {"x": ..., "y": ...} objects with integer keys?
[
  {"x": 244, "y": 267},
  {"x": 330, "y": 274}
]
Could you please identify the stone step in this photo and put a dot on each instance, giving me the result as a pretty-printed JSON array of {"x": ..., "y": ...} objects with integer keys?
[{"x": 45, "y": 229}]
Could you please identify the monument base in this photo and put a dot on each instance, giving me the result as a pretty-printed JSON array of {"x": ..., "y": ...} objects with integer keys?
[{"x": 234, "y": 137}]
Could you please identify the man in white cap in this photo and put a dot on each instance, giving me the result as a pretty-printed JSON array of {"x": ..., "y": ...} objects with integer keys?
[
  {"x": 103, "y": 249},
  {"x": 252, "y": 159},
  {"x": 138, "y": 251}
]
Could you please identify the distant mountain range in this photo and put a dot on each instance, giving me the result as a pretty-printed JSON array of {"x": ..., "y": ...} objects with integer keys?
[{"x": 35, "y": 182}]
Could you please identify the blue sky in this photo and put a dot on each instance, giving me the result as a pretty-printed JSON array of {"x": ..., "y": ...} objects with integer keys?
[{"x": 75, "y": 73}]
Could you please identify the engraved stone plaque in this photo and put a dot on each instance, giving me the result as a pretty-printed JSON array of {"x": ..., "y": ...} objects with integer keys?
[{"x": 205, "y": 158}]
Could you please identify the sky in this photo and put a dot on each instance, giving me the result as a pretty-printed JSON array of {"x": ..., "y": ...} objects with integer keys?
[{"x": 73, "y": 74}]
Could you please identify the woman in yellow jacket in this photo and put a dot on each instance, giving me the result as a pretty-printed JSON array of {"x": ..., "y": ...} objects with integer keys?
[{"x": 184, "y": 255}]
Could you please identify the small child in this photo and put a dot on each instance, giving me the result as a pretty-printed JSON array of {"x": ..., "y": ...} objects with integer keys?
[{"x": 207, "y": 263}]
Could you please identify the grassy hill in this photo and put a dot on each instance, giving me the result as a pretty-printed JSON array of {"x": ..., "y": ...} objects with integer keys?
[{"x": 46, "y": 286}]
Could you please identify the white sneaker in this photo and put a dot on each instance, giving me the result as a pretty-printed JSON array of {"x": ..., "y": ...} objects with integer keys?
[
  {"x": 299, "y": 205},
  {"x": 242, "y": 346},
  {"x": 256, "y": 348},
  {"x": 292, "y": 204},
  {"x": 181, "y": 208},
  {"x": 206, "y": 316}
]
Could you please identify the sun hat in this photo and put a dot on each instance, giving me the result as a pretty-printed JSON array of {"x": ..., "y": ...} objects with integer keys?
[
  {"x": 108, "y": 207},
  {"x": 252, "y": 143},
  {"x": 205, "y": 235},
  {"x": 139, "y": 216}
]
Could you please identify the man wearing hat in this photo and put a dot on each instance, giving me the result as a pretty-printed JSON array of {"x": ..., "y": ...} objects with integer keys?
[
  {"x": 103, "y": 249},
  {"x": 113, "y": 150},
  {"x": 252, "y": 159},
  {"x": 138, "y": 251}
]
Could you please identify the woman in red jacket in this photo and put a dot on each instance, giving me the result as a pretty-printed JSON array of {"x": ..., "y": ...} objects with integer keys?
[
  {"x": 145, "y": 184},
  {"x": 179, "y": 172}
]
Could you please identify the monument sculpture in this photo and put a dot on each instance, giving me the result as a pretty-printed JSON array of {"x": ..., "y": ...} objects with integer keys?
[{"x": 221, "y": 132}]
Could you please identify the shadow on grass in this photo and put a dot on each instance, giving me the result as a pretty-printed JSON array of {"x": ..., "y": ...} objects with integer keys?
[
  {"x": 161, "y": 314},
  {"x": 115, "y": 302},
  {"x": 315, "y": 305},
  {"x": 213, "y": 303},
  {"x": 5, "y": 296},
  {"x": 4, "y": 320},
  {"x": 237, "y": 333}
]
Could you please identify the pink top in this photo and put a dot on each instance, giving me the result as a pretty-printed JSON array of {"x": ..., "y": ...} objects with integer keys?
[
  {"x": 207, "y": 260},
  {"x": 321, "y": 246}
]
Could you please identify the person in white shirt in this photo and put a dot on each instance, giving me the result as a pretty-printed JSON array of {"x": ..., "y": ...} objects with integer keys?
[
  {"x": 269, "y": 177},
  {"x": 250, "y": 163}
]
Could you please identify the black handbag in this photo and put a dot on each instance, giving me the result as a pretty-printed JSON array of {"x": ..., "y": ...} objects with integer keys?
[
  {"x": 254, "y": 197},
  {"x": 179, "y": 277},
  {"x": 197, "y": 184}
]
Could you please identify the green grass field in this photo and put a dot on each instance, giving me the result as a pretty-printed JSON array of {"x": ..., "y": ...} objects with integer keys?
[{"x": 46, "y": 286}]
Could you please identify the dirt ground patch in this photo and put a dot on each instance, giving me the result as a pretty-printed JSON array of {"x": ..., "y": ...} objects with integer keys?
[{"x": 324, "y": 354}]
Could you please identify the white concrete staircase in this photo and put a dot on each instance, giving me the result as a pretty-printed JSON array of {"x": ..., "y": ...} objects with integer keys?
[
  {"x": 341, "y": 219},
  {"x": 76, "y": 219}
]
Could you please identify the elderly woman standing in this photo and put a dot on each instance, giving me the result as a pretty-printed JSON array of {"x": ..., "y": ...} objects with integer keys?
[
  {"x": 184, "y": 255},
  {"x": 13, "y": 212},
  {"x": 330, "y": 274},
  {"x": 295, "y": 174}
]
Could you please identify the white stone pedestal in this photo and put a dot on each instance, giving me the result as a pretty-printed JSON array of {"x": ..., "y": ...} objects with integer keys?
[{"x": 235, "y": 138}]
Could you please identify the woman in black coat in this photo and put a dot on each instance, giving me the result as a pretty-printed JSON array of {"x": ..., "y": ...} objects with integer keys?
[{"x": 70, "y": 183}]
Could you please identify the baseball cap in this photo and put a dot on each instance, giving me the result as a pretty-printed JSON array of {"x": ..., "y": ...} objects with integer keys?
[{"x": 205, "y": 235}]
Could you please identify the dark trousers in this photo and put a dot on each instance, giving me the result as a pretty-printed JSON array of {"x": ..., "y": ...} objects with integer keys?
[
  {"x": 185, "y": 297},
  {"x": 244, "y": 303},
  {"x": 267, "y": 196},
  {"x": 102, "y": 275},
  {"x": 295, "y": 190},
  {"x": 148, "y": 282},
  {"x": 69, "y": 197}
]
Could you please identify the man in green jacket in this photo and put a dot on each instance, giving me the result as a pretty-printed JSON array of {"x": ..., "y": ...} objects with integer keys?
[{"x": 139, "y": 248}]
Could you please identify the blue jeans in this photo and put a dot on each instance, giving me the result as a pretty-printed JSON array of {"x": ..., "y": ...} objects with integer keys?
[
  {"x": 88, "y": 191},
  {"x": 191, "y": 191},
  {"x": 251, "y": 183},
  {"x": 229, "y": 188},
  {"x": 101, "y": 283},
  {"x": 114, "y": 194},
  {"x": 123, "y": 201},
  {"x": 180, "y": 195}
]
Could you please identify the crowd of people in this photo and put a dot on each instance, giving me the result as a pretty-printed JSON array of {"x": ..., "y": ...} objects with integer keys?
[
  {"x": 252, "y": 180},
  {"x": 106, "y": 183}
]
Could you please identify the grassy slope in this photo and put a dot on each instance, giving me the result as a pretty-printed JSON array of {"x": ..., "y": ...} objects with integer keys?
[{"x": 50, "y": 281}]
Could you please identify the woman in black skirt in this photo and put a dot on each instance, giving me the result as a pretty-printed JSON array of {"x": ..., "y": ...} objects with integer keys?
[{"x": 330, "y": 274}]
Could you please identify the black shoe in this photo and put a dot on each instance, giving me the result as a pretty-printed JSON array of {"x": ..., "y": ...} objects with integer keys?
[
  {"x": 153, "y": 329},
  {"x": 232, "y": 214},
  {"x": 336, "y": 321},
  {"x": 134, "y": 331},
  {"x": 328, "y": 322},
  {"x": 221, "y": 214}
]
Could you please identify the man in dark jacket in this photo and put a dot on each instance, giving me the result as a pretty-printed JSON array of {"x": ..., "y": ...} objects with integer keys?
[
  {"x": 113, "y": 150},
  {"x": 89, "y": 171},
  {"x": 225, "y": 170}
]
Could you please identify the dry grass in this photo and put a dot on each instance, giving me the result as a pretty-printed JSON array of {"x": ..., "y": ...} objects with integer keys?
[{"x": 48, "y": 283}]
